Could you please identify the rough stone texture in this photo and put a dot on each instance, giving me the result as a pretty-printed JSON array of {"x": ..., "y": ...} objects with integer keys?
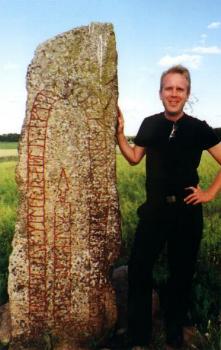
[{"x": 67, "y": 234}]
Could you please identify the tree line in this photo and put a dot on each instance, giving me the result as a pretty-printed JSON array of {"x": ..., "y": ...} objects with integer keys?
[
  {"x": 15, "y": 137},
  {"x": 9, "y": 137}
]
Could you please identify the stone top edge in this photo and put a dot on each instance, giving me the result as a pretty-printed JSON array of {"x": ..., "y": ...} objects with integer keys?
[{"x": 90, "y": 26}]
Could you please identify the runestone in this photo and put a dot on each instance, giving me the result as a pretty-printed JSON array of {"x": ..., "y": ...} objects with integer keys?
[{"x": 67, "y": 235}]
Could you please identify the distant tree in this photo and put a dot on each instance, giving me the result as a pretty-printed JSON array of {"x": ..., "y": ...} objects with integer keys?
[
  {"x": 9, "y": 137},
  {"x": 130, "y": 139}
]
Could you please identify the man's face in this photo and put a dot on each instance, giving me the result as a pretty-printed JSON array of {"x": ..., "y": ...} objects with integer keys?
[{"x": 174, "y": 93}]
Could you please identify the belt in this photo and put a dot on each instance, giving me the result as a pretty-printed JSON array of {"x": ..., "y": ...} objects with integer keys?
[{"x": 171, "y": 199}]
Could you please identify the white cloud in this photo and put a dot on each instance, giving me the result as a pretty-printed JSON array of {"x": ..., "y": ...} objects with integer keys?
[
  {"x": 207, "y": 50},
  {"x": 193, "y": 61},
  {"x": 214, "y": 25}
]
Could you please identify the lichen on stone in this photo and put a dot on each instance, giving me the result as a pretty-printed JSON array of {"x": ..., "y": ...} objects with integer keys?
[{"x": 68, "y": 234}]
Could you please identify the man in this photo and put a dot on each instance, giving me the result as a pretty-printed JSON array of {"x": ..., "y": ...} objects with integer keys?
[{"x": 172, "y": 214}]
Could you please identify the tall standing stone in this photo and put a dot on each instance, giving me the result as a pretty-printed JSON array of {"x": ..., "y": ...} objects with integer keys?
[{"x": 67, "y": 234}]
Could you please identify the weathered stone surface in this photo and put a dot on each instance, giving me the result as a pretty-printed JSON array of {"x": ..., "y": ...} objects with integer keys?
[{"x": 67, "y": 234}]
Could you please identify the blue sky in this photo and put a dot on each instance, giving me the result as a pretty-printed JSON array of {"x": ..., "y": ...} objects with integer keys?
[{"x": 151, "y": 35}]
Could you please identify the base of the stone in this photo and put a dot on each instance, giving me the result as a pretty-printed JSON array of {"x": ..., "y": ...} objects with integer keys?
[
  {"x": 42, "y": 345},
  {"x": 65, "y": 346}
]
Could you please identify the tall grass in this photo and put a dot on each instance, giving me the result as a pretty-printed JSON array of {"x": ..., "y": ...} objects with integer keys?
[
  {"x": 131, "y": 187},
  {"x": 8, "y": 205}
]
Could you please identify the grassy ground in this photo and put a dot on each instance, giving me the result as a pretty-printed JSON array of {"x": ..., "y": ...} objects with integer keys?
[
  {"x": 8, "y": 145},
  {"x": 8, "y": 206},
  {"x": 8, "y": 151},
  {"x": 131, "y": 185}
]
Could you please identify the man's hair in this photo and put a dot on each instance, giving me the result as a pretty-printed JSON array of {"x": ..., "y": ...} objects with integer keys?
[{"x": 179, "y": 69}]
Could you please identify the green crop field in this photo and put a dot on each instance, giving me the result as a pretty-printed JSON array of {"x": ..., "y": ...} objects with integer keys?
[
  {"x": 8, "y": 145},
  {"x": 131, "y": 184},
  {"x": 8, "y": 151}
]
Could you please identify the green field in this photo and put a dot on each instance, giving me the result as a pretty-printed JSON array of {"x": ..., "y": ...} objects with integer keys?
[
  {"x": 131, "y": 184},
  {"x": 8, "y": 145},
  {"x": 8, "y": 151},
  {"x": 8, "y": 206}
]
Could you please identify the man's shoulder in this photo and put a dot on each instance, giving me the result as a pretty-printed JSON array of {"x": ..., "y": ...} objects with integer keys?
[
  {"x": 154, "y": 118},
  {"x": 191, "y": 118},
  {"x": 148, "y": 129},
  {"x": 194, "y": 120}
]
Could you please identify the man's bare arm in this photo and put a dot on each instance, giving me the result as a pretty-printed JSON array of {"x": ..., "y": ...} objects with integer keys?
[
  {"x": 133, "y": 154},
  {"x": 204, "y": 196}
]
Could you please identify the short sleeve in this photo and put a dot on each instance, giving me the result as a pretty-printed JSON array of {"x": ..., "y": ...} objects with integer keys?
[
  {"x": 144, "y": 133},
  {"x": 207, "y": 136},
  {"x": 140, "y": 139}
]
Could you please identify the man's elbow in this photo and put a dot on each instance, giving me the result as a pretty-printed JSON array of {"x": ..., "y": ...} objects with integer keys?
[
  {"x": 134, "y": 158},
  {"x": 134, "y": 161}
]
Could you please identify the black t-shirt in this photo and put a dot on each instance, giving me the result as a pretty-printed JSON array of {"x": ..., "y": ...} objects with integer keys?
[{"x": 173, "y": 151}]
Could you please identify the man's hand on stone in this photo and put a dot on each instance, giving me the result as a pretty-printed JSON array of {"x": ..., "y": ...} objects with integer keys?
[
  {"x": 120, "y": 120},
  {"x": 198, "y": 195}
]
